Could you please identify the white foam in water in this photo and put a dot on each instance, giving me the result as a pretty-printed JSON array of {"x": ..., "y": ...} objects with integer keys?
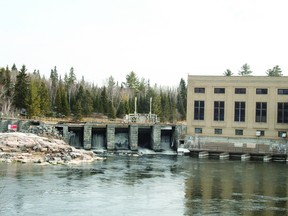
[
  {"x": 149, "y": 151},
  {"x": 145, "y": 151}
]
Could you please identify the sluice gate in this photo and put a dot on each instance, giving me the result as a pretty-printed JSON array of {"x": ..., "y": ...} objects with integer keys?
[
  {"x": 144, "y": 137},
  {"x": 98, "y": 138},
  {"x": 75, "y": 136}
]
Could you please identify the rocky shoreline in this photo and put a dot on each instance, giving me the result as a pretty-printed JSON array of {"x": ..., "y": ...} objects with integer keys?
[{"x": 31, "y": 148}]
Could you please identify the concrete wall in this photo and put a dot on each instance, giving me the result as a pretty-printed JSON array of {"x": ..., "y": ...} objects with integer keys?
[
  {"x": 133, "y": 137},
  {"x": 156, "y": 138},
  {"x": 252, "y": 145},
  {"x": 87, "y": 139},
  {"x": 110, "y": 134}
]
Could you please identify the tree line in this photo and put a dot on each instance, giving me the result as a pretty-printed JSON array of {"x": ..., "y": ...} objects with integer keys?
[
  {"x": 246, "y": 71},
  {"x": 32, "y": 95}
]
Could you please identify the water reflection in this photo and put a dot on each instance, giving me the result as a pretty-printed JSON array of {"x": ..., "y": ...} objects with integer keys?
[{"x": 234, "y": 188}]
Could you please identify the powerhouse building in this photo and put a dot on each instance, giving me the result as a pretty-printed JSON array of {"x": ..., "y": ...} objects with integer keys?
[{"x": 237, "y": 106}]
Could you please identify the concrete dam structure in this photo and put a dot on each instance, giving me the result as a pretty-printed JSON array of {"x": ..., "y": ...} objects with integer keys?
[
  {"x": 99, "y": 137},
  {"x": 105, "y": 136}
]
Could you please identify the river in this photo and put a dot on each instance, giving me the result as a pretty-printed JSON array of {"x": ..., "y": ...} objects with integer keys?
[{"x": 146, "y": 185}]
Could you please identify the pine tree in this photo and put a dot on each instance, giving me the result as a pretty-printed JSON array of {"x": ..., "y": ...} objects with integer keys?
[
  {"x": 54, "y": 83},
  {"x": 111, "y": 110},
  {"x": 45, "y": 104},
  {"x": 104, "y": 100},
  {"x": 227, "y": 72},
  {"x": 21, "y": 89},
  {"x": 245, "y": 70},
  {"x": 33, "y": 99},
  {"x": 182, "y": 99},
  {"x": 121, "y": 110},
  {"x": 78, "y": 111},
  {"x": 87, "y": 104},
  {"x": 276, "y": 71},
  {"x": 61, "y": 101}
]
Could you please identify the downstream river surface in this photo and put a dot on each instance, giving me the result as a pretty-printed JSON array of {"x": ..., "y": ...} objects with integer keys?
[{"x": 146, "y": 185}]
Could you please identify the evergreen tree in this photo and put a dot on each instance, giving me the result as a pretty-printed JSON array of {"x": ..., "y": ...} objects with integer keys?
[
  {"x": 245, "y": 70},
  {"x": 87, "y": 104},
  {"x": 70, "y": 84},
  {"x": 156, "y": 105},
  {"x": 96, "y": 103},
  {"x": 78, "y": 111},
  {"x": 104, "y": 101},
  {"x": 45, "y": 104},
  {"x": 111, "y": 110},
  {"x": 227, "y": 72},
  {"x": 121, "y": 110},
  {"x": 182, "y": 99},
  {"x": 164, "y": 115},
  {"x": 172, "y": 108},
  {"x": 132, "y": 81},
  {"x": 33, "y": 99},
  {"x": 61, "y": 102},
  {"x": 8, "y": 84},
  {"x": 2, "y": 76},
  {"x": 54, "y": 83},
  {"x": 276, "y": 71},
  {"x": 14, "y": 68},
  {"x": 21, "y": 89}
]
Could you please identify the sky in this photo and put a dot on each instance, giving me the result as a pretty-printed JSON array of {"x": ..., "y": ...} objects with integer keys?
[{"x": 160, "y": 40}]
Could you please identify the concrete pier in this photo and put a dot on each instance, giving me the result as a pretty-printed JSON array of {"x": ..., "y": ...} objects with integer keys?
[
  {"x": 110, "y": 134},
  {"x": 203, "y": 154},
  {"x": 156, "y": 138},
  {"x": 245, "y": 157},
  {"x": 133, "y": 137},
  {"x": 87, "y": 136},
  {"x": 224, "y": 156},
  {"x": 267, "y": 158}
]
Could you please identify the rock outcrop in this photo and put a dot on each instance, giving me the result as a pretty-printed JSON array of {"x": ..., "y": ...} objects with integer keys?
[{"x": 26, "y": 147}]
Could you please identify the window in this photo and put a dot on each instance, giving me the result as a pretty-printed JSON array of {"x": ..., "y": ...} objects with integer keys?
[
  {"x": 260, "y": 133},
  {"x": 261, "y": 91},
  {"x": 261, "y": 111},
  {"x": 282, "y": 91},
  {"x": 198, "y": 130},
  {"x": 282, "y": 113},
  {"x": 199, "y": 110},
  {"x": 240, "y": 90},
  {"x": 218, "y": 110},
  {"x": 282, "y": 134},
  {"x": 238, "y": 132},
  {"x": 219, "y": 90},
  {"x": 199, "y": 90},
  {"x": 239, "y": 111},
  {"x": 218, "y": 131}
]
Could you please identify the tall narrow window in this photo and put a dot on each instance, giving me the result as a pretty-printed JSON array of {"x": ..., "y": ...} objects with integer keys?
[
  {"x": 218, "y": 110},
  {"x": 282, "y": 113},
  {"x": 261, "y": 112},
  {"x": 199, "y": 110},
  {"x": 239, "y": 111}
]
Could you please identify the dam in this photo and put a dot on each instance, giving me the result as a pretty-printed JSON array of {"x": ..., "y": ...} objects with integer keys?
[
  {"x": 95, "y": 136},
  {"x": 99, "y": 137}
]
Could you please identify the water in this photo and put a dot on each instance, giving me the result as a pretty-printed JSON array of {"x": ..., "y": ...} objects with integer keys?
[{"x": 147, "y": 185}]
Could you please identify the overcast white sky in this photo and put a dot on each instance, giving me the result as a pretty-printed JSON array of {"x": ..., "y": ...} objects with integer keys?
[{"x": 160, "y": 40}]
